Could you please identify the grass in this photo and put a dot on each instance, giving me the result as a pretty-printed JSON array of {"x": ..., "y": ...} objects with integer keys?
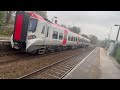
[
  {"x": 7, "y": 32},
  {"x": 117, "y": 54}
]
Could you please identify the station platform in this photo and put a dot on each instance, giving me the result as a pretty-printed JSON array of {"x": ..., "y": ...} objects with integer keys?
[
  {"x": 4, "y": 42},
  {"x": 97, "y": 65}
]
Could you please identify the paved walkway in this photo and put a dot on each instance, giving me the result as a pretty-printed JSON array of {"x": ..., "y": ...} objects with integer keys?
[
  {"x": 87, "y": 68},
  {"x": 108, "y": 66},
  {"x": 97, "y": 65}
]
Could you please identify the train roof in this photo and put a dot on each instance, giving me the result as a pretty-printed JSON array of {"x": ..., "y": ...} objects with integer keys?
[{"x": 34, "y": 15}]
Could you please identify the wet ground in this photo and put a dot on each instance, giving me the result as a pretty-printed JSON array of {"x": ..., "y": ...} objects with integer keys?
[
  {"x": 97, "y": 65},
  {"x": 108, "y": 66}
]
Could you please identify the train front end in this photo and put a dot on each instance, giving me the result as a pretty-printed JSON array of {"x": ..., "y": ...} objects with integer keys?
[{"x": 18, "y": 39}]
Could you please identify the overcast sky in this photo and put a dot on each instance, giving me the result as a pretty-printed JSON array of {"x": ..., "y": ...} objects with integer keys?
[{"x": 98, "y": 23}]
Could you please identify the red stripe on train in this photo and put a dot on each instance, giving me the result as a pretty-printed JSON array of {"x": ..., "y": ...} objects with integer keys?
[
  {"x": 65, "y": 38},
  {"x": 18, "y": 27}
]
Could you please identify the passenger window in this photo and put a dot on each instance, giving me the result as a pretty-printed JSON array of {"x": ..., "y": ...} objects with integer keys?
[
  {"x": 47, "y": 31},
  {"x": 60, "y": 36},
  {"x": 32, "y": 24},
  {"x": 55, "y": 35},
  {"x": 43, "y": 30}
]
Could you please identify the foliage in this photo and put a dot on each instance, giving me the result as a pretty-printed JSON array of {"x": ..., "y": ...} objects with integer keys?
[
  {"x": 75, "y": 29},
  {"x": 7, "y": 31},
  {"x": 64, "y": 25},
  {"x": 1, "y": 18},
  {"x": 93, "y": 39},
  {"x": 117, "y": 54},
  {"x": 105, "y": 43},
  {"x": 41, "y": 13},
  {"x": 84, "y": 35}
]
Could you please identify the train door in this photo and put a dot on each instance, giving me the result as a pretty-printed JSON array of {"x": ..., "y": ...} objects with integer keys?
[
  {"x": 43, "y": 33},
  {"x": 47, "y": 34},
  {"x": 65, "y": 38}
]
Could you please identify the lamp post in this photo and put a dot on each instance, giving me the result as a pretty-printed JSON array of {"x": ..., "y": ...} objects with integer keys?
[
  {"x": 116, "y": 46},
  {"x": 117, "y": 32}
]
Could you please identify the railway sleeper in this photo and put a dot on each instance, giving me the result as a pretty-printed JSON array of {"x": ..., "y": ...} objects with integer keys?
[
  {"x": 36, "y": 77},
  {"x": 49, "y": 75},
  {"x": 60, "y": 68},
  {"x": 69, "y": 64},
  {"x": 64, "y": 66},
  {"x": 57, "y": 70},
  {"x": 58, "y": 74}
]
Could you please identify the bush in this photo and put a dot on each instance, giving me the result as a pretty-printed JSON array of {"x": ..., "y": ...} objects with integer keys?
[
  {"x": 7, "y": 31},
  {"x": 117, "y": 54},
  {"x": 2, "y": 14}
]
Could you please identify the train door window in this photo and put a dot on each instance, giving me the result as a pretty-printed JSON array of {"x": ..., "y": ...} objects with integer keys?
[
  {"x": 47, "y": 32},
  {"x": 55, "y": 35},
  {"x": 65, "y": 36},
  {"x": 68, "y": 37},
  {"x": 76, "y": 39},
  {"x": 81, "y": 40},
  {"x": 60, "y": 36},
  {"x": 32, "y": 24},
  {"x": 72, "y": 38},
  {"x": 43, "y": 30}
]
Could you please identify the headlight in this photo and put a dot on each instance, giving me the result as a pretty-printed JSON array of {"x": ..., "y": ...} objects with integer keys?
[{"x": 31, "y": 37}]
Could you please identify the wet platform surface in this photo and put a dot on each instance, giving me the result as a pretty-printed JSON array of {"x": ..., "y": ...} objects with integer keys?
[{"x": 97, "y": 65}]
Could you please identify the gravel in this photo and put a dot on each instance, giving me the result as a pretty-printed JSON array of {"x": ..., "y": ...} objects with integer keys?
[
  {"x": 28, "y": 63},
  {"x": 55, "y": 74}
]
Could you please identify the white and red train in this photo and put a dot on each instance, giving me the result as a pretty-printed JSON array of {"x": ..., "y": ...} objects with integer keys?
[{"x": 33, "y": 33}]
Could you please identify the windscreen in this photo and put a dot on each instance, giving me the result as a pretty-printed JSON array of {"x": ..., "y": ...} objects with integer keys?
[{"x": 32, "y": 24}]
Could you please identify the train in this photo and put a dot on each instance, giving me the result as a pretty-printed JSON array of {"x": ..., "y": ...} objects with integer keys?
[{"x": 35, "y": 34}]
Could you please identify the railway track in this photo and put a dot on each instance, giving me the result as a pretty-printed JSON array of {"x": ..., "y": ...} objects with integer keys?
[
  {"x": 19, "y": 56},
  {"x": 58, "y": 69}
]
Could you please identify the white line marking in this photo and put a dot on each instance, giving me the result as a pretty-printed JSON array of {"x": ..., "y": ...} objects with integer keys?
[{"x": 80, "y": 62}]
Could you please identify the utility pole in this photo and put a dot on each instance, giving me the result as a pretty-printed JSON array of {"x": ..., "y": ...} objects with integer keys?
[
  {"x": 116, "y": 42},
  {"x": 117, "y": 34}
]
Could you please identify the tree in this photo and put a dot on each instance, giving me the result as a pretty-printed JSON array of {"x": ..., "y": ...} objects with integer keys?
[
  {"x": 2, "y": 13},
  {"x": 93, "y": 39},
  {"x": 41, "y": 13},
  {"x": 105, "y": 43},
  {"x": 84, "y": 35},
  {"x": 75, "y": 29},
  {"x": 64, "y": 26},
  {"x": 8, "y": 15}
]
